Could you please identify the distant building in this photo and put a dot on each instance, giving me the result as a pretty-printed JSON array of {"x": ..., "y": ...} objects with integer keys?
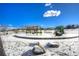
[{"x": 33, "y": 29}]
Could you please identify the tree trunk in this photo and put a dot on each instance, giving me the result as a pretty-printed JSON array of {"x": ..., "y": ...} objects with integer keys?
[{"x": 2, "y": 52}]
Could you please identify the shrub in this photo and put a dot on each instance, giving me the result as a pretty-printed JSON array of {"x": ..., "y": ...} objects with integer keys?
[{"x": 59, "y": 30}]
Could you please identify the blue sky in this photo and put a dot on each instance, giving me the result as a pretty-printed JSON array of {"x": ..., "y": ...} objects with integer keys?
[{"x": 19, "y": 14}]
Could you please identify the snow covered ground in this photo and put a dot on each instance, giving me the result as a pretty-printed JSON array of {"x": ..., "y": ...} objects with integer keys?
[{"x": 14, "y": 46}]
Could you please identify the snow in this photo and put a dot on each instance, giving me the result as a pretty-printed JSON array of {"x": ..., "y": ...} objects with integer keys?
[
  {"x": 14, "y": 46},
  {"x": 68, "y": 33}
]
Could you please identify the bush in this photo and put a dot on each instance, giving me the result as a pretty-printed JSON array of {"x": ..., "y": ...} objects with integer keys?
[{"x": 59, "y": 30}]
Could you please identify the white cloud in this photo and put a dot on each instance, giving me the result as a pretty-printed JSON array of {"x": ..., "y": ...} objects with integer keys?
[
  {"x": 48, "y": 4},
  {"x": 51, "y": 13},
  {"x": 10, "y": 26}
]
